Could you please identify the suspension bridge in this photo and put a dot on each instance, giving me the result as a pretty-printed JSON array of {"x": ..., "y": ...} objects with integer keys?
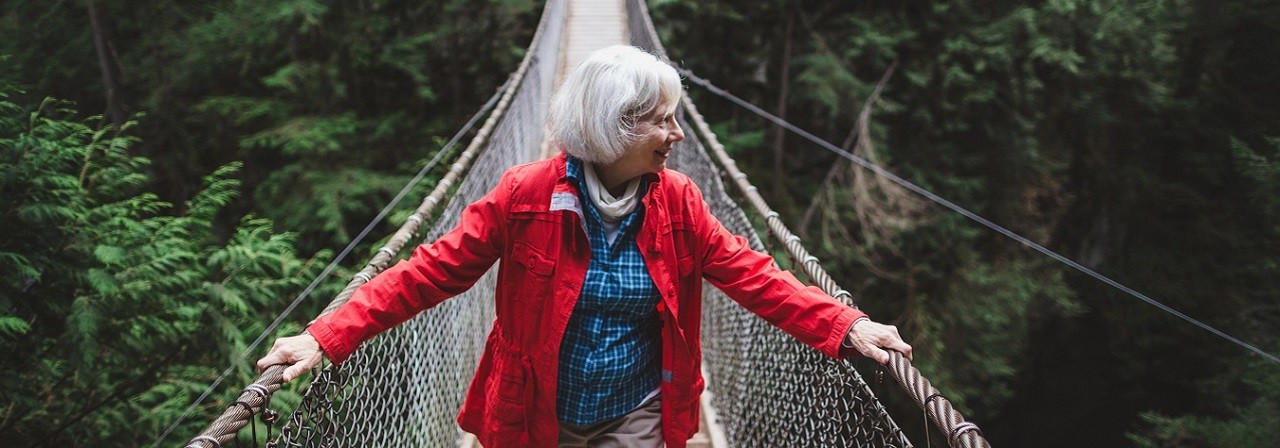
[{"x": 764, "y": 389}]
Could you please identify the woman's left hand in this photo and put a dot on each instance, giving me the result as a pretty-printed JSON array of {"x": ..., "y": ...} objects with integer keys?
[{"x": 872, "y": 338}]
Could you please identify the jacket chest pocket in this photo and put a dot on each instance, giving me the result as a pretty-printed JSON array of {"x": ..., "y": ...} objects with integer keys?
[
  {"x": 536, "y": 238},
  {"x": 529, "y": 264},
  {"x": 526, "y": 280},
  {"x": 532, "y": 261}
]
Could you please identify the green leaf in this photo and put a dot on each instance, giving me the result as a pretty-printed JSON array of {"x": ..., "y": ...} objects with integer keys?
[
  {"x": 109, "y": 255},
  {"x": 11, "y": 326}
]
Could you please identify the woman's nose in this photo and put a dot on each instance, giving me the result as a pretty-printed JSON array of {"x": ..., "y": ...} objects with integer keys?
[{"x": 678, "y": 133}]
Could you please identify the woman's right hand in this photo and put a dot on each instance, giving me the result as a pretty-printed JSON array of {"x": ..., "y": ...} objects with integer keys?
[{"x": 300, "y": 353}]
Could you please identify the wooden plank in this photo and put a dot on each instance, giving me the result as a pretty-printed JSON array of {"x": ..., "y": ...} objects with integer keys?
[{"x": 590, "y": 26}]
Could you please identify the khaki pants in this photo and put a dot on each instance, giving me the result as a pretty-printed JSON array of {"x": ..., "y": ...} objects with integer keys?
[{"x": 641, "y": 428}]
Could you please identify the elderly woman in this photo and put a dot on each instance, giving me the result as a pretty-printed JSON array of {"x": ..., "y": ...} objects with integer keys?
[{"x": 602, "y": 252}]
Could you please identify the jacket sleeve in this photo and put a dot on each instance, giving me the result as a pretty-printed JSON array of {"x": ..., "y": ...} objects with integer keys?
[
  {"x": 754, "y": 281},
  {"x": 435, "y": 272}
]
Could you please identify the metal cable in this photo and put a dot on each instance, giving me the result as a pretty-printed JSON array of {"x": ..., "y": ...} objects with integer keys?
[{"x": 971, "y": 215}]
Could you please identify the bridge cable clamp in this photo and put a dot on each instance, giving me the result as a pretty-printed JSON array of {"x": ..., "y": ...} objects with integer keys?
[
  {"x": 247, "y": 407},
  {"x": 259, "y": 390},
  {"x": 932, "y": 396},
  {"x": 962, "y": 428},
  {"x": 209, "y": 439}
]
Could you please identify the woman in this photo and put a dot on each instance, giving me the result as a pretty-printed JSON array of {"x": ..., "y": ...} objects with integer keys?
[{"x": 602, "y": 252}]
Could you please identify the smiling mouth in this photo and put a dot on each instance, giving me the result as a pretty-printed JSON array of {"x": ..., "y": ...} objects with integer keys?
[{"x": 664, "y": 152}]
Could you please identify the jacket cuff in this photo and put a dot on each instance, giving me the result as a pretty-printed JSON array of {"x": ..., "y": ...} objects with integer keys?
[
  {"x": 334, "y": 347},
  {"x": 840, "y": 333}
]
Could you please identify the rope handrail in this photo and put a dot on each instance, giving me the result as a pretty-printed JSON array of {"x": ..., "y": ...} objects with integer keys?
[
  {"x": 255, "y": 397},
  {"x": 937, "y": 406},
  {"x": 940, "y": 410},
  {"x": 430, "y": 165}
]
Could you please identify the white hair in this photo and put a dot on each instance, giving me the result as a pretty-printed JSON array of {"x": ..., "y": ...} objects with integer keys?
[{"x": 595, "y": 113}]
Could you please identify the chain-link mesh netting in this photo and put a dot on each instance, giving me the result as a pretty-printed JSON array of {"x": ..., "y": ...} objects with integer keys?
[
  {"x": 404, "y": 387},
  {"x": 769, "y": 389}
]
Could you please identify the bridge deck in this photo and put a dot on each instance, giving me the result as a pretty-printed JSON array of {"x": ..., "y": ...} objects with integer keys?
[{"x": 590, "y": 26}]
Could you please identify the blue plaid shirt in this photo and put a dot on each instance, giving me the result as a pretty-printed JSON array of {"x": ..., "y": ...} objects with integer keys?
[{"x": 610, "y": 358}]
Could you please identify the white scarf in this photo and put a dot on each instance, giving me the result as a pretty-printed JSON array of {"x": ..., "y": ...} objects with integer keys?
[{"x": 611, "y": 209}]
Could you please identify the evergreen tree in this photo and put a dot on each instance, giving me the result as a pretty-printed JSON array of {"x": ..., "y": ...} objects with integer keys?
[{"x": 116, "y": 312}]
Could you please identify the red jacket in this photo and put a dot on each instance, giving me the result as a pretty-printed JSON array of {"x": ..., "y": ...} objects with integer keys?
[{"x": 532, "y": 222}]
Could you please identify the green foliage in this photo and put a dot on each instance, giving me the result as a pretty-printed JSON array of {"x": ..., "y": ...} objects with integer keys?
[
  {"x": 108, "y": 299},
  {"x": 317, "y": 109},
  {"x": 1132, "y": 136},
  {"x": 1124, "y": 135},
  {"x": 117, "y": 309},
  {"x": 1248, "y": 425},
  {"x": 286, "y": 87},
  {"x": 1251, "y": 403}
]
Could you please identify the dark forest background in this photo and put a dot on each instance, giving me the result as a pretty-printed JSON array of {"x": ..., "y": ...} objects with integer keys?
[{"x": 172, "y": 174}]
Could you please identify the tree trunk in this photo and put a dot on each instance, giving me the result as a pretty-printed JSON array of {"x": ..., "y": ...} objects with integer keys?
[{"x": 108, "y": 62}]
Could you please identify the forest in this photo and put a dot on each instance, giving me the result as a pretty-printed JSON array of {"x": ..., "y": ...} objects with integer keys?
[{"x": 173, "y": 174}]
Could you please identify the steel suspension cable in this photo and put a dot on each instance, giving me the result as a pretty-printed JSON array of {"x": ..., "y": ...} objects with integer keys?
[{"x": 972, "y": 216}]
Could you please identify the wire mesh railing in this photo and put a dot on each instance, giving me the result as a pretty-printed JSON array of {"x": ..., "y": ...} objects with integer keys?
[
  {"x": 777, "y": 392},
  {"x": 770, "y": 390},
  {"x": 404, "y": 388}
]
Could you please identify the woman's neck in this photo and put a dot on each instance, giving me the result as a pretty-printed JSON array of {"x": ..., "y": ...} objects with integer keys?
[{"x": 614, "y": 178}]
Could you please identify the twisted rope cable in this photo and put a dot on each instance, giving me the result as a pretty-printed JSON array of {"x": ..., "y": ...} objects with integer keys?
[
  {"x": 252, "y": 400},
  {"x": 236, "y": 417},
  {"x": 941, "y": 412}
]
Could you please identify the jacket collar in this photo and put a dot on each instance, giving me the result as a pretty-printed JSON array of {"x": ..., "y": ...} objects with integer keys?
[{"x": 569, "y": 168}]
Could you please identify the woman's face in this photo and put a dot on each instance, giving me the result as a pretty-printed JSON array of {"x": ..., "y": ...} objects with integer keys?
[{"x": 657, "y": 133}]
